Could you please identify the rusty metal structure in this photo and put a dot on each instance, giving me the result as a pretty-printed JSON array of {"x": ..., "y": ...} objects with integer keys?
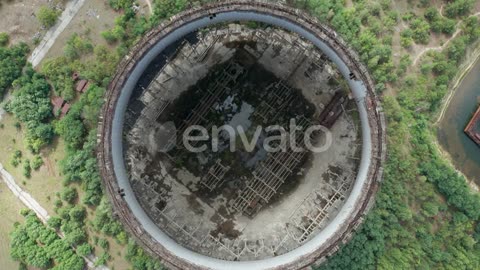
[
  {"x": 473, "y": 127},
  {"x": 173, "y": 256}
]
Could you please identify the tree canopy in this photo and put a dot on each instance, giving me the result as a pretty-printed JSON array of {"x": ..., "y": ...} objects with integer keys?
[
  {"x": 12, "y": 61},
  {"x": 38, "y": 246},
  {"x": 47, "y": 16},
  {"x": 31, "y": 105}
]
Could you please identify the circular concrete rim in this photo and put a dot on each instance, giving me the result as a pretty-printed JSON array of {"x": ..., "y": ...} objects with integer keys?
[{"x": 110, "y": 152}]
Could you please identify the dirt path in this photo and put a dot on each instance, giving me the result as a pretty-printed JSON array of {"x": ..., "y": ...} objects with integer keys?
[
  {"x": 440, "y": 48},
  {"x": 42, "y": 214},
  {"x": 149, "y": 6},
  {"x": 41, "y": 50},
  {"x": 23, "y": 196}
]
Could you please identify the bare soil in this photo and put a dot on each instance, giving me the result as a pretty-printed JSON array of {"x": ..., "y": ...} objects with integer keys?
[
  {"x": 19, "y": 20},
  {"x": 94, "y": 17}
]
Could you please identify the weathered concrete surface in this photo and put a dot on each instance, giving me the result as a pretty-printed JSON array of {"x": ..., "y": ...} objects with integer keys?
[
  {"x": 373, "y": 133},
  {"x": 201, "y": 226}
]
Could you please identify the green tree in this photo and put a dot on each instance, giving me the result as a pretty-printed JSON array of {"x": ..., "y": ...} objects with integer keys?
[
  {"x": 54, "y": 222},
  {"x": 471, "y": 28},
  {"x": 166, "y": 8},
  {"x": 27, "y": 169},
  {"x": 76, "y": 236},
  {"x": 103, "y": 243},
  {"x": 421, "y": 31},
  {"x": 120, "y": 4},
  {"x": 37, "y": 246},
  {"x": 59, "y": 72},
  {"x": 47, "y": 16},
  {"x": 84, "y": 249},
  {"x": 139, "y": 259},
  {"x": 406, "y": 39},
  {"x": 459, "y": 8},
  {"x": 31, "y": 105},
  {"x": 76, "y": 47},
  {"x": 37, "y": 162},
  {"x": 69, "y": 194},
  {"x": 77, "y": 213},
  {"x": 4, "y": 39},
  {"x": 12, "y": 61}
]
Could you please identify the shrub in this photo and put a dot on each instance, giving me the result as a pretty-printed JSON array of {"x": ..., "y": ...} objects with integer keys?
[
  {"x": 27, "y": 170},
  {"x": 77, "y": 213},
  {"x": 77, "y": 46},
  {"x": 406, "y": 38},
  {"x": 54, "y": 222},
  {"x": 75, "y": 235},
  {"x": 12, "y": 61},
  {"x": 421, "y": 31},
  {"x": 58, "y": 203},
  {"x": 120, "y": 4},
  {"x": 84, "y": 249},
  {"x": 14, "y": 162},
  {"x": 47, "y": 16},
  {"x": 4, "y": 39},
  {"x": 69, "y": 194},
  {"x": 17, "y": 154},
  {"x": 109, "y": 37},
  {"x": 459, "y": 8},
  {"x": 103, "y": 243},
  {"x": 37, "y": 162},
  {"x": 102, "y": 259}
]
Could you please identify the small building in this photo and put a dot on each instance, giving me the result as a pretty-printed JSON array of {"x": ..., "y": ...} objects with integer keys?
[
  {"x": 60, "y": 106},
  {"x": 82, "y": 86},
  {"x": 65, "y": 110}
]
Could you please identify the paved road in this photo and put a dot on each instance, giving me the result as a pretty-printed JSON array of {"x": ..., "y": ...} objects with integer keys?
[
  {"x": 52, "y": 34},
  {"x": 23, "y": 196}
]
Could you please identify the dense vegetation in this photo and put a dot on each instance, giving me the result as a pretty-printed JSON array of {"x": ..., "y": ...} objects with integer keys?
[
  {"x": 12, "y": 60},
  {"x": 39, "y": 246},
  {"x": 411, "y": 226},
  {"x": 425, "y": 214},
  {"x": 78, "y": 131},
  {"x": 4, "y": 39},
  {"x": 31, "y": 105}
]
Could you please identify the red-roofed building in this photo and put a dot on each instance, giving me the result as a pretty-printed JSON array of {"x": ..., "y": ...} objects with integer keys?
[
  {"x": 82, "y": 86},
  {"x": 65, "y": 110},
  {"x": 57, "y": 103}
]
